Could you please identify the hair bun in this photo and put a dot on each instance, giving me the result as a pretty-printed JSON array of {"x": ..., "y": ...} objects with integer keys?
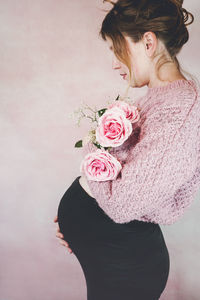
[{"x": 185, "y": 15}]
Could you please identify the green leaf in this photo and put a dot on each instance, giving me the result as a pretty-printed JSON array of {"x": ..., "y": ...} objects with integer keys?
[
  {"x": 101, "y": 111},
  {"x": 97, "y": 145},
  {"x": 108, "y": 148},
  {"x": 117, "y": 97},
  {"x": 79, "y": 144}
]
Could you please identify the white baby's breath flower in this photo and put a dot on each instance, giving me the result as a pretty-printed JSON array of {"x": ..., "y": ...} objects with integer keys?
[
  {"x": 71, "y": 115},
  {"x": 89, "y": 137},
  {"x": 85, "y": 140},
  {"x": 108, "y": 102},
  {"x": 84, "y": 111},
  {"x": 77, "y": 115}
]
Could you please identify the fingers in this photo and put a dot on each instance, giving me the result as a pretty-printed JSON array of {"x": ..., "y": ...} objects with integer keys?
[
  {"x": 59, "y": 234},
  {"x": 58, "y": 228},
  {"x": 55, "y": 219},
  {"x": 64, "y": 243}
]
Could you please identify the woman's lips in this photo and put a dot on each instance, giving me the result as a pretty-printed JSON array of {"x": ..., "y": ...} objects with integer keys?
[{"x": 124, "y": 75}]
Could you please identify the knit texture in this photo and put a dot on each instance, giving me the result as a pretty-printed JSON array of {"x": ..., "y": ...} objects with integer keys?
[{"x": 160, "y": 160}]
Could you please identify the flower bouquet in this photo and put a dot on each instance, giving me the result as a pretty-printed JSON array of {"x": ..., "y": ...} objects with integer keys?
[{"x": 113, "y": 128}]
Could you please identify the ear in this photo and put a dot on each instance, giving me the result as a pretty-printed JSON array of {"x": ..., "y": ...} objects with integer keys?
[{"x": 150, "y": 42}]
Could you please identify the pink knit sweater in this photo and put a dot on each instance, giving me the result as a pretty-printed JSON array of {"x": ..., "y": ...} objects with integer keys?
[{"x": 160, "y": 160}]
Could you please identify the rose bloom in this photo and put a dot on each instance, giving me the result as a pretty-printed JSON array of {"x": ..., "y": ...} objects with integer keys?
[
  {"x": 113, "y": 128},
  {"x": 100, "y": 166},
  {"x": 131, "y": 111}
]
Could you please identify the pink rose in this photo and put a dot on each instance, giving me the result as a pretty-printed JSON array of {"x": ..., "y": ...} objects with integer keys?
[
  {"x": 113, "y": 128},
  {"x": 131, "y": 111},
  {"x": 100, "y": 166}
]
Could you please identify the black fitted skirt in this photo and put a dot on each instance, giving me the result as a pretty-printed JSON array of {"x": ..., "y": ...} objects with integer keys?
[{"x": 127, "y": 261}]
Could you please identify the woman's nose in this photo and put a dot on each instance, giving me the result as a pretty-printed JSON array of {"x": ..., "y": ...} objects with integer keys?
[{"x": 115, "y": 63}]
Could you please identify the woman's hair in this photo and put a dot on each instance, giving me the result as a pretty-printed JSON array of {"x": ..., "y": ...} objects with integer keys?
[{"x": 166, "y": 18}]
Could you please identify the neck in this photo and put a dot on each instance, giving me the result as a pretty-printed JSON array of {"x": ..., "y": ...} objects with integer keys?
[{"x": 167, "y": 73}]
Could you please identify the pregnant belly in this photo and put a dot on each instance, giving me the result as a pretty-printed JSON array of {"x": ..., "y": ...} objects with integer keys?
[
  {"x": 79, "y": 215},
  {"x": 82, "y": 220},
  {"x": 109, "y": 252}
]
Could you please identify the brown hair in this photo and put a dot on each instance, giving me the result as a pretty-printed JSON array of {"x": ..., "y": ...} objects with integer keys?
[{"x": 166, "y": 18}]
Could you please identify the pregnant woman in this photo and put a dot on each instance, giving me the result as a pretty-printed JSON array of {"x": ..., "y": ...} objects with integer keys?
[{"x": 113, "y": 226}]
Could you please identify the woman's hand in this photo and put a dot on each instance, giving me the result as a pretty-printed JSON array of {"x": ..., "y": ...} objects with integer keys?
[{"x": 61, "y": 237}]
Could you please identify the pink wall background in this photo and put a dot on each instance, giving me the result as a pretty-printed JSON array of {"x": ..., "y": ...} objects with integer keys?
[{"x": 51, "y": 59}]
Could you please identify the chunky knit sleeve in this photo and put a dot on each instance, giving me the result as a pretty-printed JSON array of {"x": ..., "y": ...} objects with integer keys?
[{"x": 155, "y": 169}]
